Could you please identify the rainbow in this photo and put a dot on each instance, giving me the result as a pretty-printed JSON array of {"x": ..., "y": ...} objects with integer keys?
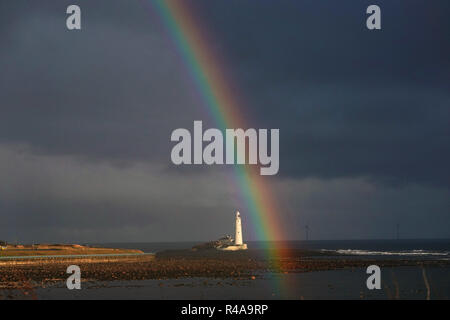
[{"x": 208, "y": 75}]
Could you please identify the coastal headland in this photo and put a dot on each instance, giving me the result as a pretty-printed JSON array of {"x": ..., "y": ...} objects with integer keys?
[{"x": 45, "y": 250}]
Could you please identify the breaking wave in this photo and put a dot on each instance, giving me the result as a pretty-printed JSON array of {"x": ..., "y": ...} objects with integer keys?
[{"x": 388, "y": 253}]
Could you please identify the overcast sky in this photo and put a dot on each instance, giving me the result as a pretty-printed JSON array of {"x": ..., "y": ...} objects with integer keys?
[{"x": 86, "y": 118}]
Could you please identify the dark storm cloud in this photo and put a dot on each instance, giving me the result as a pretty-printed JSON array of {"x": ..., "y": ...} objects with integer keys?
[
  {"x": 348, "y": 101},
  {"x": 59, "y": 197},
  {"x": 363, "y": 118},
  {"x": 355, "y": 208},
  {"x": 114, "y": 90}
]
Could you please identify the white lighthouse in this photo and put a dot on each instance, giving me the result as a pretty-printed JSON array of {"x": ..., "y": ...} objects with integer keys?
[
  {"x": 238, "y": 238},
  {"x": 238, "y": 243}
]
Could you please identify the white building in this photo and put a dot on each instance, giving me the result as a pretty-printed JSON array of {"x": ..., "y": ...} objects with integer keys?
[{"x": 238, "y": 240}]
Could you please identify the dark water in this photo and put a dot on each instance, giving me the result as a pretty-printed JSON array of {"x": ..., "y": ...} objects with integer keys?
[
  {"x": 436, "y": 248},
  {"x": 397, "y": 283}
]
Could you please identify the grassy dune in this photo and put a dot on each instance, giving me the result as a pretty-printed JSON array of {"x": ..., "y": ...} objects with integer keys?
[{"x": 50, "y": 250}]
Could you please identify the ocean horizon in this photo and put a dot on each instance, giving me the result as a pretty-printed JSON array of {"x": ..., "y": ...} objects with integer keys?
[{"x": 439, "y": 248}]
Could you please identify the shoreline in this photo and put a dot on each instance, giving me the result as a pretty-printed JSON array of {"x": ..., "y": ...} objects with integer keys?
[
  {"x": 68, "y": 256},
  {"x": 244, "y": 265}
]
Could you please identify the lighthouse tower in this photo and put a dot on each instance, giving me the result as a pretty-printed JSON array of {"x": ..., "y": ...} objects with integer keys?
[
  {"x": 238, "y": 237},
  {"x": 238, "y": 243}
]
